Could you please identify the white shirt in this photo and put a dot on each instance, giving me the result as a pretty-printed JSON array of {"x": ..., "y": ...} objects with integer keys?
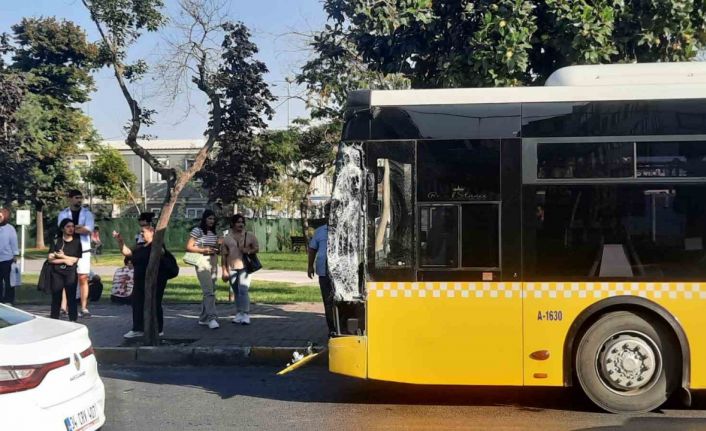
[{"x": 85, "y": 219}]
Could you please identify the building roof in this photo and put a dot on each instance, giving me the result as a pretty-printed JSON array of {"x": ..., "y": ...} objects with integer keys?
[
  {"x": 160, "y": 144},
  {"x": 648, "y": 81}
]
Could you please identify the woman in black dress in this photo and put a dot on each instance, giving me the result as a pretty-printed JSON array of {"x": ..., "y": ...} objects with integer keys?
[{"x": 63, "y": 257}]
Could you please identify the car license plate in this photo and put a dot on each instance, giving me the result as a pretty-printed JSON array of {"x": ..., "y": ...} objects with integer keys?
[{"x": 82, "y": 420}]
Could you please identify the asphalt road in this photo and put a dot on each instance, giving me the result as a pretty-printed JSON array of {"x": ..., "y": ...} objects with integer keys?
[{"x": 245, "y": 398}]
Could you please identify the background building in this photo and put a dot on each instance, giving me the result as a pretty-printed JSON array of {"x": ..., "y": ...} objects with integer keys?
[{"x": 150, "y": 189}]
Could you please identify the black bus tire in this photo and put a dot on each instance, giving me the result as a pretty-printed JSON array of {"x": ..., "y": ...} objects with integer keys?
[{"x": 628, "y": 362}]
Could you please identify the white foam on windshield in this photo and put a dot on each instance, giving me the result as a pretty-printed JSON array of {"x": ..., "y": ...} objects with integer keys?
[{"x": 346, "y": 234}]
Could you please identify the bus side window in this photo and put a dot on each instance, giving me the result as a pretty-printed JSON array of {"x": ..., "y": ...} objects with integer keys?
[
  {"x": 438, "y": 236},
  {"x": 392, "y": 213}
]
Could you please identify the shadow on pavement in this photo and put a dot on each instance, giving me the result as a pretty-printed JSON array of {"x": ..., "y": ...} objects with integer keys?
[{"x": 316, "y": 385}]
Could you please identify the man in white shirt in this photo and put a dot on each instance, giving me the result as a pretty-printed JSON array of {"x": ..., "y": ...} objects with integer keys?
[
  {"x": 84, "y": 221},
  {"x": 8, "y": 253}
]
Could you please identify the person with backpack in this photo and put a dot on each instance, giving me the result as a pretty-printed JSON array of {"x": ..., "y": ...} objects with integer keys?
[{"x": 140, "y": 255}]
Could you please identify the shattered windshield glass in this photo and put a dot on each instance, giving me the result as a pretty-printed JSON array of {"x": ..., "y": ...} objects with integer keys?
[{"x": 346, "y": 240}]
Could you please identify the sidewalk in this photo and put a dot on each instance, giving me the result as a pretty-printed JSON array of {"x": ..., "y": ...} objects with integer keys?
[
  {"x": 276, "y": 331},
  {"x": 34, "y": 266}
]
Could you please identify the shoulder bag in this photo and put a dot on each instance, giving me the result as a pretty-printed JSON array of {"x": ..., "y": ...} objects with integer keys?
[
  {"x": 191, "y": 258},
  {"x": 250, "y": 261}
]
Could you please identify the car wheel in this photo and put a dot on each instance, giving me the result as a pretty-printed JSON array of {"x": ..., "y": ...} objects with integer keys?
[{"x": 628, "y": 362}]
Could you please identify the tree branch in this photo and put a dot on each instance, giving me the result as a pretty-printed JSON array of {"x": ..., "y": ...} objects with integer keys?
[{"x": 135, "y": 110}]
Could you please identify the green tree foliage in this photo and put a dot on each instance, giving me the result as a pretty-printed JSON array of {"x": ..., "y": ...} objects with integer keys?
[
  {"x": 110, "y": 176},
  {"x": 302, "y": 153},
  {"x": 464, "y": 43},
  {"x": 55, "y": 60},
  {"x": 12, "y": 92},
  {"x": 239, "y": 162}
]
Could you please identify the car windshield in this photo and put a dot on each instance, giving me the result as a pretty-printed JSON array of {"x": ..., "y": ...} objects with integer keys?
[{"x": 9, "y": 316}]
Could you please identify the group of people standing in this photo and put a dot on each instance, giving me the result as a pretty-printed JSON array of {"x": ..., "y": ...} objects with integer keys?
[
  {"x": 70, "y": 261},
  {"x": 205, "y": 241}
]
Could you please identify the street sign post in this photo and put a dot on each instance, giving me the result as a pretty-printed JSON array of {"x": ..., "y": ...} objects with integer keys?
[{"x": 23, "y": 219}]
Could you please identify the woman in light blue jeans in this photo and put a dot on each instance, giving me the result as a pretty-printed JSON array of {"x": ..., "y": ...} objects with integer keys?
[
  {"x": 204, "y": 240},
  {"x": 237, "y": 242}
]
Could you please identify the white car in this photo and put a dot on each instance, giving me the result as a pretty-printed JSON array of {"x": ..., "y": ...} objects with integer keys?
[{"x": 48, "y": 375}]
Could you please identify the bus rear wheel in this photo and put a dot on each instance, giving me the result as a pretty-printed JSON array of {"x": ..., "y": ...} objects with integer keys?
[{"x": 627, "y": 362}]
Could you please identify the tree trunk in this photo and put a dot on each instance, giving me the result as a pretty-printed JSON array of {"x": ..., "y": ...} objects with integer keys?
[
  {"x": 304, "y": 211},
  {"x": 39, "y": 240},
  {"x": 150, "y": 310}
]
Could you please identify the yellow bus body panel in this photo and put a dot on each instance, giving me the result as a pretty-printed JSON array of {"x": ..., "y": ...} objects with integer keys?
[
  {"x": 445, "y": 332},
  {"x": 483, "y": 333},
  {"x": 685, "y": 301},
  {"x": 348, "y": 356}
]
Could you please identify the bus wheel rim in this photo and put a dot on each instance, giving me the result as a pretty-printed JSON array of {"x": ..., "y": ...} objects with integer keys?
[{"x": 629, "y": 363}]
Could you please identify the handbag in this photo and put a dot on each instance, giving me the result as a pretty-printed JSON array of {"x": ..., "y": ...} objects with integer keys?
[
  {"x": 250, "y": 261},
  {"x": 192, "y": 258},
  {"x": 15, "y": 275}
]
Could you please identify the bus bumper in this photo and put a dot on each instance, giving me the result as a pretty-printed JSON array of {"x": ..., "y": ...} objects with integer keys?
[{"x": 348, "y": 356}]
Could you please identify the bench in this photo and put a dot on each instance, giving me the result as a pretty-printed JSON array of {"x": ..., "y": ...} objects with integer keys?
[{"x": 298, "y": 242}]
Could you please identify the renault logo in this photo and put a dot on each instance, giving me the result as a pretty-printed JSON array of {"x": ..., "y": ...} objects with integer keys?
[{"x": 77, "y": 362}]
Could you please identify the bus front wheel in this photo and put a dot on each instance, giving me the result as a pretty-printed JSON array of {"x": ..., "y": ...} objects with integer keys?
[{"x": 627, "y": 362}]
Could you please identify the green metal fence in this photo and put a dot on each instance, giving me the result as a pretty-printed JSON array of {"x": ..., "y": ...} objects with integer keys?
[{"x": 272, "y": 234}]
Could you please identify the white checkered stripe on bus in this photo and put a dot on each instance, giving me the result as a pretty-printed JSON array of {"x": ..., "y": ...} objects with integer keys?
[
  {"x": 450, "y": 289},
  {"x": 537, "y": 290}
]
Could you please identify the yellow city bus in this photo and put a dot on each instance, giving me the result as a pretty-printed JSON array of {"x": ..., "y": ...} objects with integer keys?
[{"x": 536, "y": 236}]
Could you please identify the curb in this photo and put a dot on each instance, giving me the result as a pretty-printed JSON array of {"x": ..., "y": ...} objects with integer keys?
[{"x": 199, "y": 356}]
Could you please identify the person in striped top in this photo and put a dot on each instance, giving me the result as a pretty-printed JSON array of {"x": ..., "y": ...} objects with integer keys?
[{"x": 204, "y": 240}]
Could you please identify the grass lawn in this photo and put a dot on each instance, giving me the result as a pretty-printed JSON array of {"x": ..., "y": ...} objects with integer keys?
[
  {"x": 186, "y": 289},
  {"x": 280, "y": 261}
]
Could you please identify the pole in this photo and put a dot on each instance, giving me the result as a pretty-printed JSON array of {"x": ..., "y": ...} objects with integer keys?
[{"x": 22, "y": 251}]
